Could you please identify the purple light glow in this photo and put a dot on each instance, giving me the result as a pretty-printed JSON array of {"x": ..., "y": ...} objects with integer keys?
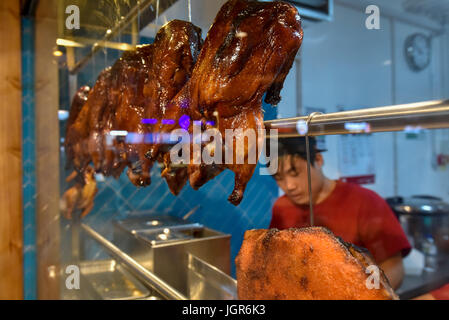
[
  {"x": 156, "y": 137},
  {"x": 168, "y": 121},
  {"x": 149, "y": 121},
  {"x": 134, "y": 138},
  {"x": 152, "y": 138},
  {"x": 184, "y": 104},
  {"x": 184, "y": 121}
]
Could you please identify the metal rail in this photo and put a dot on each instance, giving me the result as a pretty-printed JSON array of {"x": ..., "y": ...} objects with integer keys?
[
  {"x": 142, "y": 273},
  {"x": 406, "y": 117}
]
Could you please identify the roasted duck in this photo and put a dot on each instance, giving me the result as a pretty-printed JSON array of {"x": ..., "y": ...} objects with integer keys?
[
  {"x": 81, "y": 195},
  {"x": 305, "y": 264},
  {"x": 147, "y": 86},
  {"x": 74, "y": 148},
  {"x": 248, "y": 51},
  {"x": 152, "y": 91},
  {"x": 136, "y": 88}
]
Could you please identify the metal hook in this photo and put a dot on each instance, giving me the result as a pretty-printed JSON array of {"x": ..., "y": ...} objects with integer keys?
[
  {"x": 189, "y": 10},
  {"x": 309, "y": 177}
]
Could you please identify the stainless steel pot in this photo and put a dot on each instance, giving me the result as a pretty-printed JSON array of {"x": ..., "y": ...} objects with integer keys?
[{"x": 424, "y": 219}]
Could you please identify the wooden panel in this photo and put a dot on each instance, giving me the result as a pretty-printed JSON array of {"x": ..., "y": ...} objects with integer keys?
[
  {"x": 47, "y": 151},
  {"x": 11, "y": 279}
]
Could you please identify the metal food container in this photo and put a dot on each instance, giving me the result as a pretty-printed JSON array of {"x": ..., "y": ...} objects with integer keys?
[
  {"x": 107, "y": 280},
  {"x": 206, "y": 282},
  {"x": 424, "y": 218},
  {"x": 163, "y": 244}
]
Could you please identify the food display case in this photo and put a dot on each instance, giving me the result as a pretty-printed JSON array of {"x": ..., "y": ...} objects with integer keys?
[{"x": 120, "y": 219}]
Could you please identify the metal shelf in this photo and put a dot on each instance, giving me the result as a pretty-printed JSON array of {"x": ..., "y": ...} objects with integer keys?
[{"x": 406, "y": 117}]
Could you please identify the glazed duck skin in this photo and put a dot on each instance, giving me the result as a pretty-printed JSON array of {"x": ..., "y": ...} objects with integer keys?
[
  {"x": 149, "y": 85},
  {"x": 81, "y": 195},
  {"x": 74, "y": 146},
  {"x": 137, "y": 87},
  {"x": 248, "y": 51},
  {"x": 304, "y": 264}
]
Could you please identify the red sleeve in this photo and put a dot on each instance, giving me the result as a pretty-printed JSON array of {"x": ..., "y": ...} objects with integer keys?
[
  {"x": 284, "y": 214},
  {"x": 380, "y": 231},
  {"x": 276, "y": 220},
  {"x": 441, "y": 293}
]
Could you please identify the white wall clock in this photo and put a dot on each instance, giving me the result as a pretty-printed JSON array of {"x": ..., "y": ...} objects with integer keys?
[{"x": 418, "y": 51}]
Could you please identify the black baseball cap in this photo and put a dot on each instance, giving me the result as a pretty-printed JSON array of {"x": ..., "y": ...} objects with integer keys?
[{"x": 297, "y": 145}]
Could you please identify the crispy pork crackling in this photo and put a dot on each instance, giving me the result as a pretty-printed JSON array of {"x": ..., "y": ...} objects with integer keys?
[{"x": 305, "y": 264}]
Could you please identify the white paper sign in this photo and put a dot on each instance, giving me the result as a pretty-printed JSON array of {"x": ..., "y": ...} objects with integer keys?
[{"x": 356, "y": 161}]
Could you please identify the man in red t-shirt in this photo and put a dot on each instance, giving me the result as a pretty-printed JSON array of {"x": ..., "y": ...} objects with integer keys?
[{"x": 355, "y": 214}]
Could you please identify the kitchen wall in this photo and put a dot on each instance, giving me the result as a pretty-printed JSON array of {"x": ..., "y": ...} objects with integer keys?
[
  {"x": 345, "y": 64},
  {"x": 445, "y": 61}
]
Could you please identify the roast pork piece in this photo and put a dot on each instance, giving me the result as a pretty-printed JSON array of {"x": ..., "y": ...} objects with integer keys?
[{"x": 306, "y": 264}]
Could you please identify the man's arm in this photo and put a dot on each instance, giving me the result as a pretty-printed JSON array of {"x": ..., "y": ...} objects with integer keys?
[
  {"x": 394, "y": 270},
  {"x": 426, "y": 296},
  {"x": 382, "y": 234}
]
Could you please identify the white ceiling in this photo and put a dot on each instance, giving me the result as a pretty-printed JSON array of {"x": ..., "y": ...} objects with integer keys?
[
  {"x": 435, "y": 9},
  {"x": 417, "y": 12},
  {"x": 402, "y": 9}
]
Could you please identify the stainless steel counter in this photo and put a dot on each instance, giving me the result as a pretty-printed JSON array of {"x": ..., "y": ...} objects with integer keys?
[
  {"x": 107, "y": 280},
  {"x": 414, "y": 286},
  {"x": 158, "y": 258}
]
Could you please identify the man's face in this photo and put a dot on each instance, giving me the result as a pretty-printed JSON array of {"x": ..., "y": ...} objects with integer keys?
[{"x": 292, "y": 178}]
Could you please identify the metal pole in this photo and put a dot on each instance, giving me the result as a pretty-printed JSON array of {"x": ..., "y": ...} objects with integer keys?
[
  {"x": 413, "y": 116},
  {"x": 309, "y": 176},
  {"x": 75, "y": 228},
  {"x": 309, "y": 182}
]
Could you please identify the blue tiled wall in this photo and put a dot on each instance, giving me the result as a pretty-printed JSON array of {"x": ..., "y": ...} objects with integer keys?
[
  {"x": 117, "y": 198},
  {"x": 28, "y": 160}
]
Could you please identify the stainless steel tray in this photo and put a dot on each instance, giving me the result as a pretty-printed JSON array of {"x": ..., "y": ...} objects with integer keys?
[
  {"x": 108, "y": 280},
  {"x": 154, "y": 223},
  {"x": 206, "y": 282}
]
